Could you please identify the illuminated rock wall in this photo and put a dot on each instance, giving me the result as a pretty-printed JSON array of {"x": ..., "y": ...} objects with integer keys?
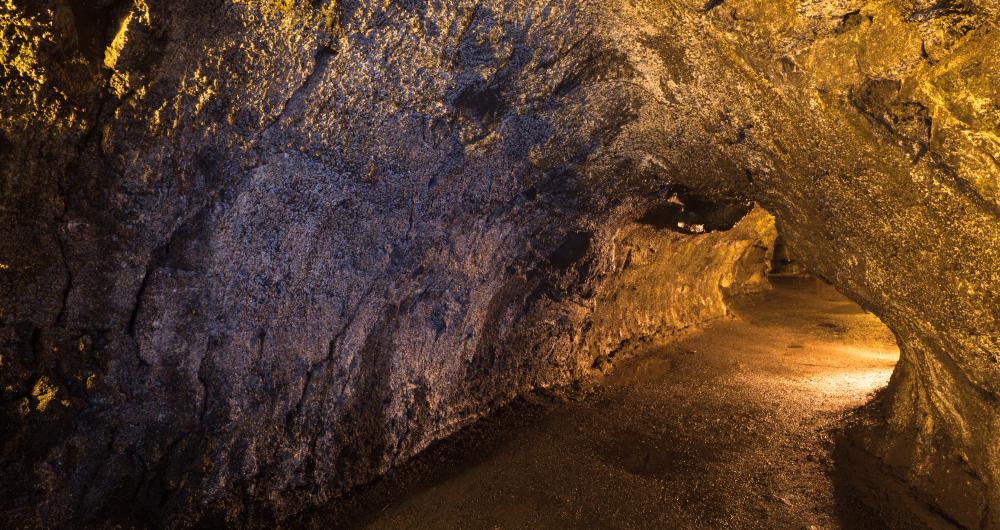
[{"x": 258, "y": 252}]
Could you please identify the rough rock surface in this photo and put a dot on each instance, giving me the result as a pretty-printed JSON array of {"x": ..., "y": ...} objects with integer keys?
[{"x": 257, "y": 252}]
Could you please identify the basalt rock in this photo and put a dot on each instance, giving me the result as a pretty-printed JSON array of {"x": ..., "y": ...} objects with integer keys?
[{"x": 256, "y": 253}]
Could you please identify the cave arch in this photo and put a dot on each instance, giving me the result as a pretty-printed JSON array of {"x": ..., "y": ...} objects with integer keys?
[{"x": 240, "y": 213}]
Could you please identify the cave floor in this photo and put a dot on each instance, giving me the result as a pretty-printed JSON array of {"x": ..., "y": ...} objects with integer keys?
[{"x": 732, "y": 427}]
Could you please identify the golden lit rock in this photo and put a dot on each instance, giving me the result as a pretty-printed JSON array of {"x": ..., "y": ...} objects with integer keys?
[{"x": 43, "y": 392}]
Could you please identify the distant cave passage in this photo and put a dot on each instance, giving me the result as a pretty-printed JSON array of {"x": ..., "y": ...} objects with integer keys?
[{"x": 749, "y": 414}]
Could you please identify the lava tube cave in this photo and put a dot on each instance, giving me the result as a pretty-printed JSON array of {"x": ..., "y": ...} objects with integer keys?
[{"x": 500, "y": 264}]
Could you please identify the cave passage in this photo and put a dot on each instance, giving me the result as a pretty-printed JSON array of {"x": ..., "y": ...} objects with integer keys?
[{"x": 731, "y": 427}]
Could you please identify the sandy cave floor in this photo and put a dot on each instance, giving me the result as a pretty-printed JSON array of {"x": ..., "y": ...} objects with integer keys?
[{"x": 732, "y": 427}]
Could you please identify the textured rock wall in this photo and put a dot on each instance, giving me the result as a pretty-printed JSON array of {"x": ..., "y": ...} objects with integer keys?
[
  {"x": 877, "y": 151},
  {"x": 256, "y": 252},
  {"x": 662, "y": 285},
  {"x": 260, "y": 253}
]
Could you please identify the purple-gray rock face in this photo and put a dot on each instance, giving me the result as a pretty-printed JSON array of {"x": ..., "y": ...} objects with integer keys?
[{"x": 258, "y": 252}]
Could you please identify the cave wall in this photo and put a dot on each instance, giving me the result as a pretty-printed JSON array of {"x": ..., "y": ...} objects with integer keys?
[
  {"x": 662, "y": 285},
  {"x": 877, "y": 153},
  {"x": 258, "y": 252},
  {"x": 261, "y": 253}
]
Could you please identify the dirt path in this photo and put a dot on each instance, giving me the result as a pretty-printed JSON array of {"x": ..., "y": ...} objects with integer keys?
[{"x": 729, "y": 428}]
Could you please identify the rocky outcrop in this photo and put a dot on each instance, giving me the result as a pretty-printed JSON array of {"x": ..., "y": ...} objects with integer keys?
[{"x": 256, "y": 253}]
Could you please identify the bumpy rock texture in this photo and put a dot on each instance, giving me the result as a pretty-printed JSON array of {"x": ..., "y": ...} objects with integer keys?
[{"x": 257, "y": 252}]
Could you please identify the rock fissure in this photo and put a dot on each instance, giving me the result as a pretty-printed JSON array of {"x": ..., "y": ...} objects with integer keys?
[{"x": 61, "y": 314}]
